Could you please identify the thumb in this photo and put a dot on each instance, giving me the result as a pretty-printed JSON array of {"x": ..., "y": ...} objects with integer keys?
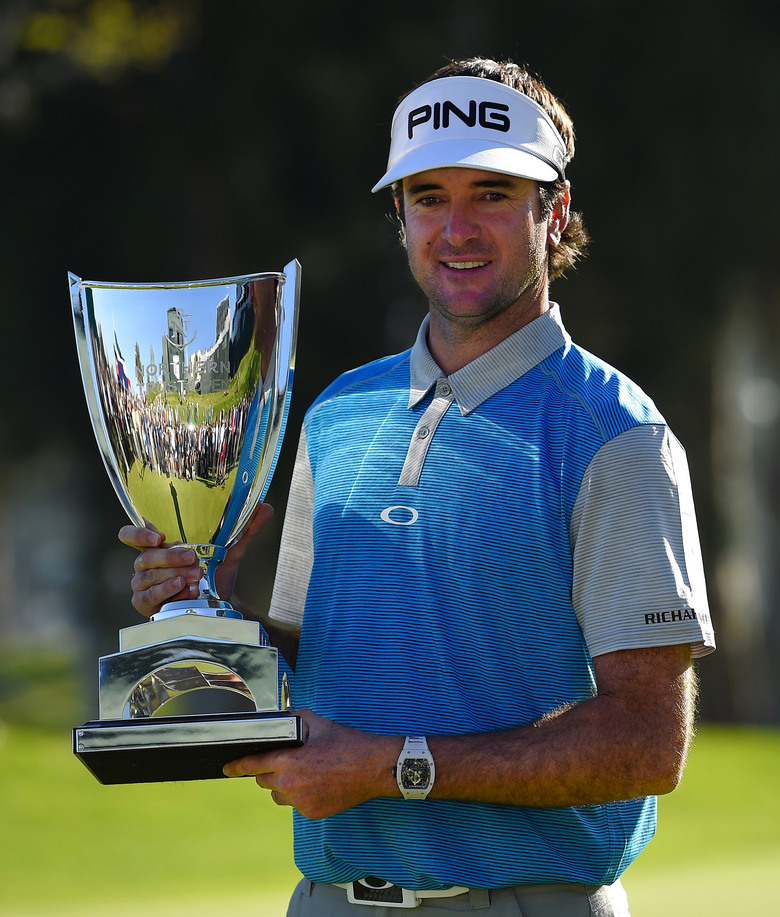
[
  {"x": 226, "y": 572},
  {"x": 257, "y": 522}
]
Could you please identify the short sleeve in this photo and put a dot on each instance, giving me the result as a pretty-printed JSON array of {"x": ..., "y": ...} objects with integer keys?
[
  {"x": 296, "y": 552},
  {"x": 638, "y": 572}
]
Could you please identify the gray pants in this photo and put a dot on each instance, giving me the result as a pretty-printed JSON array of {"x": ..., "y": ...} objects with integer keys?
[{"x": 565, "y": 900}]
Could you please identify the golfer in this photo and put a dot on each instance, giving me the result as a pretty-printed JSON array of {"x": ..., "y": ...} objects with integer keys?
[{"x": 490, "y": 582}]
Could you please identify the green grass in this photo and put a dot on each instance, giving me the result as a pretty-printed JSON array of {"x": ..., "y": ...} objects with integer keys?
[
  {"x": 717, "y": 848},
  {"x": 201, "y": 505},
  {"x": 70, "y": 846},
  {"x": 243, "y": 380}
]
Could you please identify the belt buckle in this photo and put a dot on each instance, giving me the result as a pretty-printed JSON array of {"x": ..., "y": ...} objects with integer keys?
[{"x": 378, "y": 893}]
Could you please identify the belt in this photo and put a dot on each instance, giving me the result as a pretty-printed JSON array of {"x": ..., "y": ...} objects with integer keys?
[{"x": 379, "y": 893}]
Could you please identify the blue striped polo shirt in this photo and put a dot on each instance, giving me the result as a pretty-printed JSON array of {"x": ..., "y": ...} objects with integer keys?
[{"x": 457, "y": 550}]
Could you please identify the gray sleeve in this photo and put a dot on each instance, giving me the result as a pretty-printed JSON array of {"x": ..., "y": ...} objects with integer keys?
[
  {"x": 296, "y": 553},
  {"x": 638, "y": 573}
]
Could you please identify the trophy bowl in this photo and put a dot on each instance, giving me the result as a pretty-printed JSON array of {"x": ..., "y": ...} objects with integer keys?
[{"x": 188, "y": 387}]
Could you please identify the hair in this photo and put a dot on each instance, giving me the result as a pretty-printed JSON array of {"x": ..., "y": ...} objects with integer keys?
[{"x": 574, "y": 239}]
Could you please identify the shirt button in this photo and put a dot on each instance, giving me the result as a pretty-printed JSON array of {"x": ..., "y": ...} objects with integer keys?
[
  {"x": 446, "y": 389},
  {"x": 423, "y": 432}
]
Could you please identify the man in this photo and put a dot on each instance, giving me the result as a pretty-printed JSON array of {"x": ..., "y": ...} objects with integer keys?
[{"x": 490, "y": 555}]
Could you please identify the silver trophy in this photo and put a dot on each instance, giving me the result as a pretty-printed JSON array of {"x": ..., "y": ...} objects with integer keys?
[{"x": 188, "y": 386}]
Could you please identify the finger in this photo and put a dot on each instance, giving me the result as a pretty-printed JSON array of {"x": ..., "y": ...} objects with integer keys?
[
  {"x": 157, "y": 576},
  {"x": 312, "y": 725},
  {"x": 148, "y": 599},
  {"x": 140, "y": 538},
  {"x": 260, "y": 517},
  {"x": 162, "y": 558},
  {"x": 278, "y": 798},
  {"x": 225, "y": 575},
  {"x": 257, "y": 522},
  {"x": 251, "y": 765}
]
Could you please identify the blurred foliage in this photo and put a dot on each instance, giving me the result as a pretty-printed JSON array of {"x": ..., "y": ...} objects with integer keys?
[
  {"x": 46, "y": 45},
  {"x": 104, "y": 37}
]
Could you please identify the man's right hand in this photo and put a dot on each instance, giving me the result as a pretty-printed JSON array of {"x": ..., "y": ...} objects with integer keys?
[{"x": 170, "y": 573}]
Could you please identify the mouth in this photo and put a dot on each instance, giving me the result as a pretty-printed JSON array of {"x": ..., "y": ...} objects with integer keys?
[{"x": 465, "y": 265}]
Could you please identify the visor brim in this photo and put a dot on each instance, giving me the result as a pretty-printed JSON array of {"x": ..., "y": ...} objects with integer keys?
[{"x": 469, "y": 154}]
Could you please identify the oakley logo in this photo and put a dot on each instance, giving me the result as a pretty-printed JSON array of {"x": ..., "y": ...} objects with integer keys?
[
  {"x": 441, "y": 112},
  {"x": 404, "y": 515}
]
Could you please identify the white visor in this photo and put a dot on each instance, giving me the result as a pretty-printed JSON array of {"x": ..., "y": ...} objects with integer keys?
[{"x": 473, "y": 123}]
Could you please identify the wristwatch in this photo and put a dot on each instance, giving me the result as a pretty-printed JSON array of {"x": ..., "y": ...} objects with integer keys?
[{"x": 415, "y": 771}]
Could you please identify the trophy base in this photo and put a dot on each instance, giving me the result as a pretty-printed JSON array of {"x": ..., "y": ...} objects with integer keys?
[{"x": 174, "y": 748}]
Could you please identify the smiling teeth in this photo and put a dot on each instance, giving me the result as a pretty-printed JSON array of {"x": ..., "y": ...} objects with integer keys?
[{"x": 463, "y": 265}]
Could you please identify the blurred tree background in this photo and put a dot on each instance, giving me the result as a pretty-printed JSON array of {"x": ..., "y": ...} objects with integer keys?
[{"x": 172, "y": 140}]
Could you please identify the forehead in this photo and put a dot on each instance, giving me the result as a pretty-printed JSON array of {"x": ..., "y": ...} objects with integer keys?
[{"x": 457, "y": 177}]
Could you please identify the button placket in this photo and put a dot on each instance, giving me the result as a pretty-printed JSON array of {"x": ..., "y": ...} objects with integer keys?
[{"x": 423, "y": 435}]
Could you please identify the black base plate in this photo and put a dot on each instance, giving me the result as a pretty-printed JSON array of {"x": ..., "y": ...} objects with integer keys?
[{"x": 173, "y": 748}]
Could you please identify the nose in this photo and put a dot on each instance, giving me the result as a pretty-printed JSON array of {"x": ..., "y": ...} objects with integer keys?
[{"x": 460, "y": 225}]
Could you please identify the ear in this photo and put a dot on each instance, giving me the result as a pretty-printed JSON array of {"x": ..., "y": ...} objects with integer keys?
[
  {"x": 400, "y": 215},
  {"x": 558, "y": 218}
]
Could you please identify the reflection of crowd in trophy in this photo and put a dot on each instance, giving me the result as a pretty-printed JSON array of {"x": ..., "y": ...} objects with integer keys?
[
  {"x": 187, "y": 447},
  {"x": 187, "y": 441},
  {"x": 182, "y": 418}
]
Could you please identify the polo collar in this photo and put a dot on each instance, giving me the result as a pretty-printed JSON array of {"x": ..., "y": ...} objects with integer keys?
[{"x": 493, "y": 371}]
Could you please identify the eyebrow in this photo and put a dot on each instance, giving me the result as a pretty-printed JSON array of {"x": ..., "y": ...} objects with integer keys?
[{"x": 424, "y": 187}]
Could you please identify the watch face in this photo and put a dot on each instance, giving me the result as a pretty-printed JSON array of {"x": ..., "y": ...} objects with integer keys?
[{"x": 415, "y": 774}]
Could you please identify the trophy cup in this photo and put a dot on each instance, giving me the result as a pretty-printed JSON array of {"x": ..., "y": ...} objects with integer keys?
[{"x": 188, "y": 386}]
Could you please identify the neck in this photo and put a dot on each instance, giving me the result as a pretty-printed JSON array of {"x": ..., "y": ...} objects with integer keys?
[{"x": 455, "y": 344}]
